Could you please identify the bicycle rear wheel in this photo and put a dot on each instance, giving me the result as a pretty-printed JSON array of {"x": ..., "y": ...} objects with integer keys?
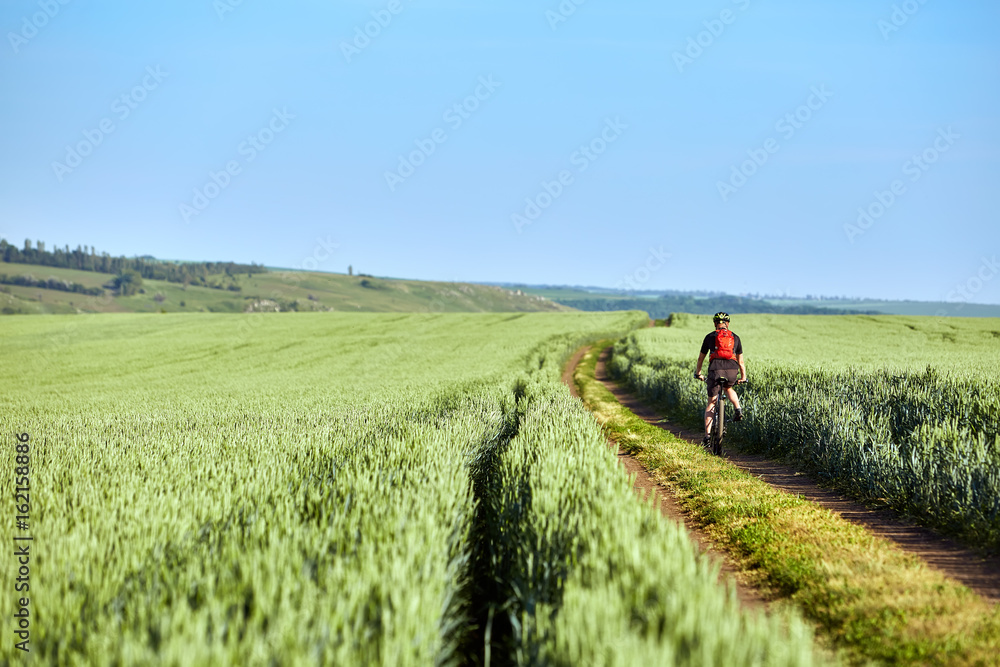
[{"x": 718, "y": 427}]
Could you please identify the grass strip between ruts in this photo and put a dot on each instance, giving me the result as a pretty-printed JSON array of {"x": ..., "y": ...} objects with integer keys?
[{"x": 869, "y": 600}]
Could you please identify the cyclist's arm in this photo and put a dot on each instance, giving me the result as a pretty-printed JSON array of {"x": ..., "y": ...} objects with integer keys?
[
  {"x": 743, "y": 368},
  {"x": 701, "y": 360}
]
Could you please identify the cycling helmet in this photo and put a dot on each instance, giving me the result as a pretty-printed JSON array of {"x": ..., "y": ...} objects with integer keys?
[{"x": 720, "y": 317}]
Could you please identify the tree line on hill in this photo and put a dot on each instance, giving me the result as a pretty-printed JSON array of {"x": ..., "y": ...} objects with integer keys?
[
  {"x": 663, "y": 306},
  {"x": 88, "y": 259},
  {"x": 50, "y": 283}
]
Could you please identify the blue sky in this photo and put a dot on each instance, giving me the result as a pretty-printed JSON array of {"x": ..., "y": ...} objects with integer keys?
[{"x": 642, "y": 143}]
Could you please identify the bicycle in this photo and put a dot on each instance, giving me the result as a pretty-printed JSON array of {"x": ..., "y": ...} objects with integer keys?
[{"x": 717, "y": 429}]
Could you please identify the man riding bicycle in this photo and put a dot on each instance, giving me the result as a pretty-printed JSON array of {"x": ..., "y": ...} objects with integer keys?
[{"x": 726, "y": 361}]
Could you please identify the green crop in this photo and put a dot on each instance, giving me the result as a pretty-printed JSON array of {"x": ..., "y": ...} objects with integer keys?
[
  {"x": 343, "y": 489},
  {"x": 899, "y": 410}
]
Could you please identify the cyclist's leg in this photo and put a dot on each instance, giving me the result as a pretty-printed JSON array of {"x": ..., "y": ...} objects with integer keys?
[
  {"x": 733, "y": 398},
  {"x": 732, "y": 376},
  {"x": 713, "y": 391}
]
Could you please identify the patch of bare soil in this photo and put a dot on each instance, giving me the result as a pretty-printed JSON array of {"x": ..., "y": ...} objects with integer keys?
[
  {"x": 981, "y": 574},
  {"x": 570, "y": 368}
]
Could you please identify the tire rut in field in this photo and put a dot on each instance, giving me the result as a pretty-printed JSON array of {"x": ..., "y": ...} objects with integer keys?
[
  {"x": 503, "y": 586},
  {"x": 488, "y": 630}
]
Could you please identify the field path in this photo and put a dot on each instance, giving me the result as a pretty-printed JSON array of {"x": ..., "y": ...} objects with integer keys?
[
  {"x": 978, "y": 573},
  {"x": 644, "y": 485}
]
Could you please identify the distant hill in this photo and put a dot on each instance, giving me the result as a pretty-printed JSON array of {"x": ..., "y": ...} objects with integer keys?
[
  {"x": 86, "y": 258},
  {"x": 938, "y": 308},
  {"x": 48, "y": 289},
  {"x": 34, "y": 279},
  {"x": 661, "y": 304}
]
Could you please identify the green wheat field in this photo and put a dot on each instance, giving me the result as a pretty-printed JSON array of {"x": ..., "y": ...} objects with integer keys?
[{"x": 421, "y": 489}]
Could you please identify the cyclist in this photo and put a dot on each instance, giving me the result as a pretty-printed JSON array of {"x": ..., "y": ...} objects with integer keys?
[{"x": 726, "y": 360}]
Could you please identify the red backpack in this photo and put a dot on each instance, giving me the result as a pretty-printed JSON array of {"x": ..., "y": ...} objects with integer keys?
[{"x": 725, "y": 345}]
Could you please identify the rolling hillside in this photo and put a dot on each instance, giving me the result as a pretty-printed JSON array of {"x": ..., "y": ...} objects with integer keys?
[{"x": 276, "y": 290}]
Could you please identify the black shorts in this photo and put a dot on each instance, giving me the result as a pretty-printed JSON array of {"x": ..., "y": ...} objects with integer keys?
[{"x": 730, "y": 374}]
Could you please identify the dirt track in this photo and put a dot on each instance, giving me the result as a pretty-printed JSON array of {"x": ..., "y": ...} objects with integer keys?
[
  {"x": 644, "y": 485},
  {"x": 978, "y": 573}
]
